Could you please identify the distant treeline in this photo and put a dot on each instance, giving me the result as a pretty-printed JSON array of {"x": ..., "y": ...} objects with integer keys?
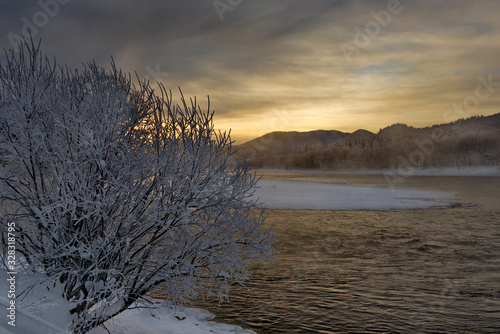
[{"x": 469, "y": 142}]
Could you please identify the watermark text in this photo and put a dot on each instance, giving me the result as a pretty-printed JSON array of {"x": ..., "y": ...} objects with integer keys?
[{"x": 11, "y": 272}]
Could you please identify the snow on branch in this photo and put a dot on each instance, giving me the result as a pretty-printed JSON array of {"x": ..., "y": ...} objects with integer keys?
[{"x": 116, "y": 190}]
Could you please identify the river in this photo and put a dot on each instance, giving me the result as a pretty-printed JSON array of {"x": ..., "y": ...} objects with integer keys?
[{"x": 396, "y": 271}]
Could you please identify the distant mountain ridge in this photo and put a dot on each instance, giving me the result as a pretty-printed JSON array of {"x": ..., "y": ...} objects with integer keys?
[
  {"x": 471, "y": 141},
  {"x": 277, "y": 141}
]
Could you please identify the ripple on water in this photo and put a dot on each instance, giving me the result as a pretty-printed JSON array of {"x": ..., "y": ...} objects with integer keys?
[{"x": 420, "y": 271}]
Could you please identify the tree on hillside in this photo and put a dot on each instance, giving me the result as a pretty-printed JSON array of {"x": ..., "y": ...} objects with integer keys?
[{"x": 115, "y": 190}]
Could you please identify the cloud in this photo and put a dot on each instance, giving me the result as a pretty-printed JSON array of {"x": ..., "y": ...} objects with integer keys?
[{"x": 268, "y": 57}]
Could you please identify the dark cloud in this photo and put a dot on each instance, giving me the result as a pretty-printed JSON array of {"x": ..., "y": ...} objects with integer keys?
[{"x": 268, "y": 57}]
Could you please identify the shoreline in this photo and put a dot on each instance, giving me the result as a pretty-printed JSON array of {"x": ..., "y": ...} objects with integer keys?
[
  {"x": 320, "y": 195},
  {"x": 45, "y": 310},
  {"x": 479, "y": 171}
]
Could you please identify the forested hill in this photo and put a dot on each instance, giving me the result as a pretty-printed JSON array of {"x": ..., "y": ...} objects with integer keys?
[{"x": 467, "y": 142}]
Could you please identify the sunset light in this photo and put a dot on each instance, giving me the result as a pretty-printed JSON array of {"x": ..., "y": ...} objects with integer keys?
[{"x": 294, "y": 65}]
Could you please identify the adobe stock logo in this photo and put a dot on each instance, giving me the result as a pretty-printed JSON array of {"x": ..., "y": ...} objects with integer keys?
[
  {"x": 157, "y": 75},
  {"x": 363, "y": 37},
  {"x": 225, "y": 6},
  {"x": 31, "y": 27}
]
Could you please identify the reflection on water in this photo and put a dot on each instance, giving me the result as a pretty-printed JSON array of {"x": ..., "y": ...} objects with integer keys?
[{"x": 417, "y": 271}]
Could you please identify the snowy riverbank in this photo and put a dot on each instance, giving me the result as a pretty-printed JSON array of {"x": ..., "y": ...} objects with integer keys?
[
  {"x": 45, "y": 312},
  {"x": 309, "y": 195}
]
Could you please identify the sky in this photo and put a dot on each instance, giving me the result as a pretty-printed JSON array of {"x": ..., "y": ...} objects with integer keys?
[{"x": 286, "y": 65}]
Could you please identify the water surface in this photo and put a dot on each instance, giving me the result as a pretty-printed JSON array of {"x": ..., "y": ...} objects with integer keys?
[{"x": 406, "y": 271}]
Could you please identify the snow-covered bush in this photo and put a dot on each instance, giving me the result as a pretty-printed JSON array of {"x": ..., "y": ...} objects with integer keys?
[{"x": 115, "y": 190}]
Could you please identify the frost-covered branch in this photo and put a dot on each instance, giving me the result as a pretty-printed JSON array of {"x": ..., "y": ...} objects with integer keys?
[{"x": 115, "y": 189}]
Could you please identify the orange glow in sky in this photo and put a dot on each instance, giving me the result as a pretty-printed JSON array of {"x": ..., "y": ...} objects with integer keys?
[{"x": 293, "y": 65}]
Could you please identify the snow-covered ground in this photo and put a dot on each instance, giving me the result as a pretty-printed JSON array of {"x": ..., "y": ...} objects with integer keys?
[
  {"x": 45, "y": 312},
  {"x": 167, "y": 321},
  {"x": 294, "y": 194}
]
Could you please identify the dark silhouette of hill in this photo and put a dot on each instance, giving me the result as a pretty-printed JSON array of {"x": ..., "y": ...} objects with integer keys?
[
  {"x": 467, "y": 142},
  {"x": 285, "y": 141}
]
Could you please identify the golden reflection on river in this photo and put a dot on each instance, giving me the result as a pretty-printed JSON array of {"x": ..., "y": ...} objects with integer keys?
[{"x": 421, "y": 271}]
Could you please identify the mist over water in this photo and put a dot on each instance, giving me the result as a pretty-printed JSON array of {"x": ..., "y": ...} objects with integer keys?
[{"x": 407, "y": 271}]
